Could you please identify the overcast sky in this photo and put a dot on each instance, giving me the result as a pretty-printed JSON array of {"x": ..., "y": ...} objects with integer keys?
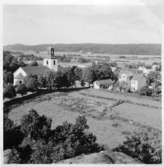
[{"x": 115, "y": 23}]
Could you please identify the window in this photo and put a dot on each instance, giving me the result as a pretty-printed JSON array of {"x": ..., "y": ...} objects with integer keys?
[
  {"x": 47, "y": 61},
  {"x": 54, "y": 62}
]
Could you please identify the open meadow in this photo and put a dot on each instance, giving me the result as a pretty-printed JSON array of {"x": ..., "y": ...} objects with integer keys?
[{"x": 109, "y": 116}]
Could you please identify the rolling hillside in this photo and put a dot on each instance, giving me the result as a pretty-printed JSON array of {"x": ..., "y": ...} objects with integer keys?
[{"x": 132, "y": 49}]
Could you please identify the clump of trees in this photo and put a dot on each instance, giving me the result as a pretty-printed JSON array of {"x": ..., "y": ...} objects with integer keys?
[
  {"x": 21, "y": 89},
  {"x": 8, "y": 77},
  {"x": 34, "y": 63},
  {"x": 31, "y": 83},
  {"x": 42, "y": 144},
  {"x": 98, "y": 72},
  {"x": 9, "y": 91},
  {"x": 10, "y": 63},
  {"x": 141, "y": 146},
  {"x": 153, "y": 86}
]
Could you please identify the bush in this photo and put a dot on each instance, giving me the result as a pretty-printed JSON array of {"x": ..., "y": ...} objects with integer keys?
[
  {"x": 31, "y": 83},
  {"x": 35, "y": 126},
  {"x": 8, "y": 77},
  {"x": 21, "y": 89},
  {"x": 146, "y": 91},
  {"x": 34, "y": 63},
  {"x": 140, "y": 146},
  {"x": 14, "y": 157},
  {"x": 9, "y": 91},
  {"x": 12, "y": 134},
  {"x": 41, "y": 144}
]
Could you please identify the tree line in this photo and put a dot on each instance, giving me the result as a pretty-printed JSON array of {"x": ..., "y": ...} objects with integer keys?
[{"x": 35, "y": 142}]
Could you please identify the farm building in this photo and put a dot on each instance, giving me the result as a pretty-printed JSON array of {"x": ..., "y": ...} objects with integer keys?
[
  {"x": 106, "y": 83},
  {"x": 49, "y": 63}
]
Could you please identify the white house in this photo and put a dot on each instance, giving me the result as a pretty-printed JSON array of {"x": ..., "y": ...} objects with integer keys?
[
  {"x": 124, "y": 75},
  {"x": 144, "y": 70},
  {"x": 106, "y": 83},
  {"x": 134, "y": 81},
  {"x": 49, "y": 63},
  {"x": 137, "y": 82}
]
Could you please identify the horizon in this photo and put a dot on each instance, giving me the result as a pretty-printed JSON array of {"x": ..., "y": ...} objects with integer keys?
[{"x": 84, "y": 43}]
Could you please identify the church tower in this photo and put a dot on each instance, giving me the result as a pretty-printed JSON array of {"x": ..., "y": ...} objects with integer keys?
[{"x": 51, "y": 62}]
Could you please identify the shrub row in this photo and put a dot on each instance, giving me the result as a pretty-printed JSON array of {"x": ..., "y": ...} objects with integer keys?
[
  {"x": 142, "y": 147},
  {"x": 35, "y": 142}
]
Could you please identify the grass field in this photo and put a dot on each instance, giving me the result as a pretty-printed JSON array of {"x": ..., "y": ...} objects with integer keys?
[{"x": 109, "y": 120}]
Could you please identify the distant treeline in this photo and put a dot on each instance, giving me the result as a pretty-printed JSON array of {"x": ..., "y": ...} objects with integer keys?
[{"x": 132, "y": 49}]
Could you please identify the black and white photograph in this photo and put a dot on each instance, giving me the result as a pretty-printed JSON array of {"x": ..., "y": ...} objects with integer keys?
[{"x": 82, "y": 83}]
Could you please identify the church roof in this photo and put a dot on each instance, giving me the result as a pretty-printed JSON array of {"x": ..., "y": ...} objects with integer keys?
[{"x": 35, "y": 70}]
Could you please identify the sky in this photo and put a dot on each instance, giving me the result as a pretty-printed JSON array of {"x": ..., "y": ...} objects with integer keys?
[{"x": 112, "y": 23}]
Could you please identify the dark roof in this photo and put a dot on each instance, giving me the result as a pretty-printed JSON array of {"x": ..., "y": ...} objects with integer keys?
[{"x": 35, "y": 70}]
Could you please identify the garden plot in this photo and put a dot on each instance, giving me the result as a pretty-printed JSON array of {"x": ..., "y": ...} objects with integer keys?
[
  {"x": 144, "y": 115},
  {"x": 104, "y": 94},
  {"x": 62, "y": 107}
]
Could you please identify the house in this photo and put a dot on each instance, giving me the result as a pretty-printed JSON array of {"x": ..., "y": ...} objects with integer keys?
[
  {"x": 144, "y": 70},
  {"x": 49, "y": 64},
  {"x": 137, "y": 82},
  {"x": 132, "y": 81},
  {"x": 23, "y": 72},
  {"x": 113, "y": 68},
  {"x": 155, "y": 66},
  {"x": 124, "y": 75},
  {"x": 106, "y": 83}
]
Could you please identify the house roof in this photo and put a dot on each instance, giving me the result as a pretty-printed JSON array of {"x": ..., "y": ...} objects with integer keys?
[
  {"x": 104, "y": 82},
  {"x": 129, "y": 73},
  {"x": 140, "y": 78},
  {"x": 19, "y": 76},
  {"x": 35, "y": 70}
]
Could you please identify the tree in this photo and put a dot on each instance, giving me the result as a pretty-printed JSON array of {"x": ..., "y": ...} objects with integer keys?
[
  {"x": 9, "y": 91},
  {"x": 34, "y": 63},
  {"x": 42, "y": 81},
  {"x": 8, "y": 77},
  {"x": 42, "y": 144},
  {"x": 31, "y": 83},
  {"x": 50, "y": 79},
  {"x": 88, "y": 75},
  {"x": 35, "y": 126},
  {"x": 12, "y": 134},
  {"x": 146, "y": 91},
  {"x": 21, "y": 89},
  {"x": 21, "y": 63},
  {"x": 14, "y": 157},
  {"x": 98, "y": 72},
  {"x": 77, "y": 73},
  {"x": 153, "y": 77}
]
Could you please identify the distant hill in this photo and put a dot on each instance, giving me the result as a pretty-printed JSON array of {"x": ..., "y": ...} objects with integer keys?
[{"x": 122, "y": 49}]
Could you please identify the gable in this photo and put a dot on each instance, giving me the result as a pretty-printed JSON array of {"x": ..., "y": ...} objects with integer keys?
[{"x": 20, "y": 72}]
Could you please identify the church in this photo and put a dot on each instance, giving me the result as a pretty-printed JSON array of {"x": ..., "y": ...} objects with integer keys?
[{"x": 49, "y": 64}]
